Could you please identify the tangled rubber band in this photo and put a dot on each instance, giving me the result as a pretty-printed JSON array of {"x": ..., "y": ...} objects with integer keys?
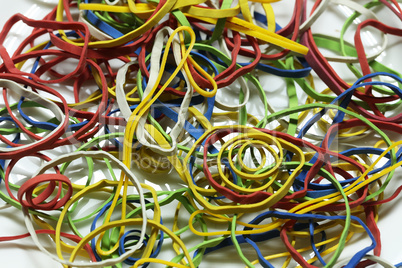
[{"x": 138, "y": 134}]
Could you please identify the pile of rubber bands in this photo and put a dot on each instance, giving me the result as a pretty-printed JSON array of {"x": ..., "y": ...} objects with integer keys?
[{"x": 106, "y": 95}]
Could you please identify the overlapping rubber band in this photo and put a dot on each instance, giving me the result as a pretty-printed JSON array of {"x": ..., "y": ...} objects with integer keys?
[{"x": 162, "y": 89}]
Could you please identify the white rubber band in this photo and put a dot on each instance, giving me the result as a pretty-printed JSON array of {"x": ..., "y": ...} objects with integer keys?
[
  {"x": 97, "y": 155},
  {"x": 35, "y": 97},
  {"x": 95, "y": 32}
]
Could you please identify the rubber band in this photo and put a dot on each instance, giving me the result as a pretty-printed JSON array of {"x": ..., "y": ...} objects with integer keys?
[{"x": 176, "y": 93}]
